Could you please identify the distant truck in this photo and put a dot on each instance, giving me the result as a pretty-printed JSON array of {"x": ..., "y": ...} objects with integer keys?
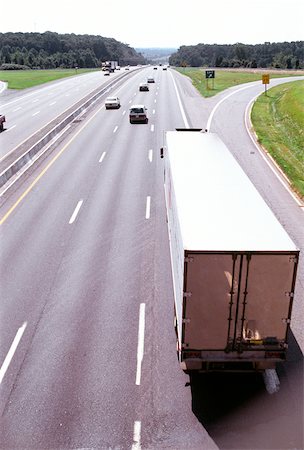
[
  {"x": 233, "y": 265},
  {"x": 110, "y": 65},
  {"x": 2, "y": 121}
]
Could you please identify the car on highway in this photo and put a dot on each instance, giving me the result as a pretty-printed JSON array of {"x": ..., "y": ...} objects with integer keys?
[
  {"x": 143, "y": 87},
  {"x": 154, "y": 68},
  {"x": 112, "y": 103},
  {"x": 127, "y": 68},
  {"x": 138, "y": 113},
  {"x": 107, "y": 73},
  {"x": 150, "y": 80},
  {"x": 2, "y": 120}
]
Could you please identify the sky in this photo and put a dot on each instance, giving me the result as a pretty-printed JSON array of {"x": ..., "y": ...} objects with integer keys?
[{"x": 161, "y": 23}]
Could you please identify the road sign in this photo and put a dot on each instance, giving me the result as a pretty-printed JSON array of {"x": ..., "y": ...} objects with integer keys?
[
  {"x": 265, "y": 78},
  {"x": 210, "y": 74}
]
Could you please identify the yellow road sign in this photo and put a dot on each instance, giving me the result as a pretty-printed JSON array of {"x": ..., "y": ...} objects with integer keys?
[{"x": 265, "y": 78}]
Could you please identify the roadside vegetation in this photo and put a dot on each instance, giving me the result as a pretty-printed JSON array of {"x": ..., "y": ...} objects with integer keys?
[
  {"x": 227, "y": 78},
  {"x": 278, "y": 119},
  {"x": 21, "y": 79}
]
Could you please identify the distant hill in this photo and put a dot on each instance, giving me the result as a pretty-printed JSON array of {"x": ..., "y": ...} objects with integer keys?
[
  {"x": 52, "y": 50},
  {"x": 156, "y": 55},
  {"x": 282, "y": 55}
]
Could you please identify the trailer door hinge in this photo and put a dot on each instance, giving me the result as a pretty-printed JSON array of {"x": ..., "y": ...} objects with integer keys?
[
  {"x": 186, "y": 320},
  {"x": 189, "y": 259},
  {"x": 187, "y": 294},
  {"x": 293, "y": 259},
  {"x": 289, "y": 294},
  {"x": 286, "y": 320}
]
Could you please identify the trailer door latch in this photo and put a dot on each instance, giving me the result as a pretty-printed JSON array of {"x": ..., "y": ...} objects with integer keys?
[{"x": 187, "y": 294}]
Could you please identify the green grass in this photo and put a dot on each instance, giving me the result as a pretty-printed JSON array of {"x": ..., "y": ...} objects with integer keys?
[
  {"x": 22, "y": 79},
  {"x": 224, "y": 78},
  {"x": 278, "y": 119}
]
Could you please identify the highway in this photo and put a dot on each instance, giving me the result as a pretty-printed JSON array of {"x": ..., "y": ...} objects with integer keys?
[
  {"x": 87, "y": 348},
  {"x": 28, "y": 112}
]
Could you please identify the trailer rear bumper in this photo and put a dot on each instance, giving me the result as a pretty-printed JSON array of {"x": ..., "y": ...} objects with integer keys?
[{"x": 233, "y": 362}]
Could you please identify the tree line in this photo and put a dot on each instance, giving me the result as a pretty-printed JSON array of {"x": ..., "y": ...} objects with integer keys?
[
  {"x": 52, "y": 50},
  {"x": 284, "y": 55}
]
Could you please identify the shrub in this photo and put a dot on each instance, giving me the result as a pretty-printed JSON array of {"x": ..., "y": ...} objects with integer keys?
[{"x": 14, "y": 67}]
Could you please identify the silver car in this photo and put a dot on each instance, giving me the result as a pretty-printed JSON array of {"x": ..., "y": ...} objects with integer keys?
[{"x": 112, "y": 102}]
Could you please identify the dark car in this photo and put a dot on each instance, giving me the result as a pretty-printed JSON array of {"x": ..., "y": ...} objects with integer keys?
[
  {"x": 143, "y": 87},
  {"x": 138, "y": 113}
]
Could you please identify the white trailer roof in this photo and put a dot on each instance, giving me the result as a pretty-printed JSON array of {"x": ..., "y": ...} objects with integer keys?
[{"x": 218, "y": 207}]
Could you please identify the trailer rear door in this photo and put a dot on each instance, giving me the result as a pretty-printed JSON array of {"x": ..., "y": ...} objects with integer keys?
[{"x": 234, "y": 298}]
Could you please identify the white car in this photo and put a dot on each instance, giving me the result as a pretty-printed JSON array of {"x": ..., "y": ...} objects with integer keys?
[
  {"x": 112, "y": 102},
  {"x": 150, "y": 80}
]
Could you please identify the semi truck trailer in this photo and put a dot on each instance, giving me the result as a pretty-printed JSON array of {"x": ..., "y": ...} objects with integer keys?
[{"x": 233, "y": 264}]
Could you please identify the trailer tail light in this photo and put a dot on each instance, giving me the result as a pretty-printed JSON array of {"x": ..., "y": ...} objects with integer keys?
[{"x": 275, "y": 355}]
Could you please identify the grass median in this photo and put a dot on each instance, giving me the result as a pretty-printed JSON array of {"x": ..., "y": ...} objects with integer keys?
[
  {"x": 22, "y": 79},
  {"x": 278, "y": 119},
  {"x": 225, "y": 78}
]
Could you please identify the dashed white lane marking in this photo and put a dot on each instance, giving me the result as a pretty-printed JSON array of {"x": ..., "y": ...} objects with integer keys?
[
  {"x": 17, "y": 109},
  {"x": 53, "y": 103},
  {"x": 115, "y": 129},
  {"x": 35, "y": 114},
  {"x": 141, "y": 341},
  {"x": 152, "y": 127},
  {"x": 76, "y": 211},
  {"x": 153, "y": 112},
  {"x": 102, "y": 157},
  {"x": 148, "y": 207},
  {"x": 155, "y": 101},
  {"x": 35, "y": 100},
  {"x": 11, "y": 351},
  {"x": 124, "y": 113},
  {"x": 150, "y": 155},
  {"x": 136, "y": 435},
  {"x": 130, "y": 101}
]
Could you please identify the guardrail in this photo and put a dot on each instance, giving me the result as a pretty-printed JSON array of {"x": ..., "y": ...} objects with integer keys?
[{"x": 29, "y": 150}]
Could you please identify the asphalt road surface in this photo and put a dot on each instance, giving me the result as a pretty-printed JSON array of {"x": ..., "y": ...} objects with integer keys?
[{"x": 87, "y": 348}]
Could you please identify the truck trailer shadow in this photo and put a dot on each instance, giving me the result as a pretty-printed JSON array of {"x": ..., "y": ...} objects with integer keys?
[{"x": 238, "y": 413}]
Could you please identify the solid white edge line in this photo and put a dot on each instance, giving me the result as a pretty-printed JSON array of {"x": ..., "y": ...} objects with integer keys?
[
  {"x": 10, "y": 128},
  {"x": 150, "y": 155},
  {"x": 76, "y": 211},
  {"x": 102, "y": 156},
  {"x": 221, "y": 101},
  {"x": 11, "y": 351},
  {"x": 148, "y": 207},
  {"x": 180, "y": 103},
  {"x": 136, "y": 435},
  {"x": 272, "y": 164},
  {"x": 141, "y": 341}
]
